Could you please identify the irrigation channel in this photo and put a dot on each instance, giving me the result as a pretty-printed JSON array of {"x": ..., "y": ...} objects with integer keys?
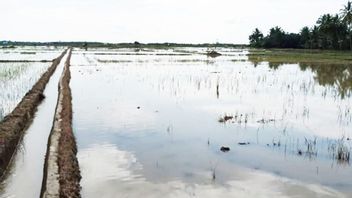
[
  {"x": 177, "y": 123},
  {"x": 24, "y": 174}
]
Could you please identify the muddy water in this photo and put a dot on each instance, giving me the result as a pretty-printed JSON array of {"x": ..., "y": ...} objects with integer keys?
[
  {"x": 147, "y": 125},
  {"x": 26, "y": 171}
]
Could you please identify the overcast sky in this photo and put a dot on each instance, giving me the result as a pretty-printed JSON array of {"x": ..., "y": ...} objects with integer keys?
[{"x": 182, "y": 21}]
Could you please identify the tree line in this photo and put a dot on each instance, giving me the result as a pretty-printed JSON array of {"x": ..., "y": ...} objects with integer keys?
[{"x": 329, "y": 32}]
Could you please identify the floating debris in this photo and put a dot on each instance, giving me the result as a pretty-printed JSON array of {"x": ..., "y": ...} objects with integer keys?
[
  {"x": 237, "y": 118},
  {"x": 225, "y": 118},
  {"x": 213, "y": 53},
  {"x": 138, "y": 107},
  {"x": 265, "y": 121},
  {"x": 28, "y": 53},
  {"x": 300, "y": 152},
  {"x": 278, "y": 144},
  {"x": 225, "y": 149},
  {"x": 243, "y": 143}
]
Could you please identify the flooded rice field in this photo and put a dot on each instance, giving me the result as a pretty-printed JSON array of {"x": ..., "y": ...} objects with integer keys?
[
  {"x": 29, "y": 53},
  {"x": 176, "y": 123},
  {"x": 16, "y": 78},
  {"x": 25, "y": 173}
]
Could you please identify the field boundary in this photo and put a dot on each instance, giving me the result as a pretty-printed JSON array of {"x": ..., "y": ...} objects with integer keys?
[
  {"x": 13, "y": 125},
  {"x": 61, "y": 170}
]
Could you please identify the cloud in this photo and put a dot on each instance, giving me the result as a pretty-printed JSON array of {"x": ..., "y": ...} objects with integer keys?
[{"x": 155, "y": 20}]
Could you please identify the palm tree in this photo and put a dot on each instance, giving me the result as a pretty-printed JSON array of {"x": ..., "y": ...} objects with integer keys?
[
  {"x": 346, "y": 15},
  {"x": 332, "y": 31},
  {"x": 256, "y": 38}
]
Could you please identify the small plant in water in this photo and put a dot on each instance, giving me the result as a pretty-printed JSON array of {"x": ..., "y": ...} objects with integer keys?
[
  {"x": 213, "y": 170},
  {"x": 311, "y": 145},
  {"x": 311, "y": 149},
  {"x": 343, "y": 152},
  {"x": 213, "y": 174},
  {"x": 340, "y": 151}
]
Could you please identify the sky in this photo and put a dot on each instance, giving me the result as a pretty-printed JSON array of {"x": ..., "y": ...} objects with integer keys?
[{"x": 180, "y": 21}]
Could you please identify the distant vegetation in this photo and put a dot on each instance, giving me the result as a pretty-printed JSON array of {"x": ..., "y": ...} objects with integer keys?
[
  {"x": 331, "y": 68},
  {"x": 136, "y": 44},
  {"x": 330, "y": 32}
]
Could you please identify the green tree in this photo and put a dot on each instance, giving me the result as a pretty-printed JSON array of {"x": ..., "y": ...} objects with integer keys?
[
  {"x": 256, "y": 38},
  {"x": 346, "y": 15},
  {"x": 305, "y": 40},
  {"x": 332, "y": 32},
  {"x": 275, "y": 38}
]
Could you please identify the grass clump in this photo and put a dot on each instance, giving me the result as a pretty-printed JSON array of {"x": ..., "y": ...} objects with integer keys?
[{"x": 299, "y": 56}]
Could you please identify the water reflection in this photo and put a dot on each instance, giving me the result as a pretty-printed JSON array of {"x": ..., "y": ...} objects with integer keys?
[
  {"x": 115, "y": 172},
  {"x": 164, "y": 114},
  {"x": 338, "y": 76}
]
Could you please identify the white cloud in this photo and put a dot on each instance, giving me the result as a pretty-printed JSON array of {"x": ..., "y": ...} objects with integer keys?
[{"x": 155, "y": 20}]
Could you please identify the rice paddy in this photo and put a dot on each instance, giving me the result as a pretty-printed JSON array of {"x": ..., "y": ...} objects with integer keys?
[{"x": 174, "y": 121}]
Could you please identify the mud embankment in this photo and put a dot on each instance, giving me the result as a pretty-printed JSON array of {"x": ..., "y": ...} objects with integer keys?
[
  {"x": 12, "y": 127},
  {"x": 61, "y": 169}
]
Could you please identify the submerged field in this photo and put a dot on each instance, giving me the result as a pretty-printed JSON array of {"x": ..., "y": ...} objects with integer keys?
[
  {"x": 20, "y": 68},
  {"x": 177, "y": 123},
  {"x": 152, "y": 122}
]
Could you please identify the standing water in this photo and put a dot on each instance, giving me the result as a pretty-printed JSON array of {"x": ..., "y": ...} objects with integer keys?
[
  {"x": 25, "y": 173},
  {"x": 151, "y": 123}
]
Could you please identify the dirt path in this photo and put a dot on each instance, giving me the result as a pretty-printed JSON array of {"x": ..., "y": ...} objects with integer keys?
[
  {"x": 61, "y": 169},
  {"x": 13, "y": 125}
]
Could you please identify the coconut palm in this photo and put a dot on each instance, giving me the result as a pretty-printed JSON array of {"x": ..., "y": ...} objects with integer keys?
[
  {"x": 346, "y": 15},
  {"x": 256, "y": 38}
]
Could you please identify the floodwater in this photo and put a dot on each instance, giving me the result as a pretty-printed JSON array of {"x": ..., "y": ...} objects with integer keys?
[
  {"x": 25, "y": 174},
  {"x": 16, "y": 79},
  {"x": 28, "y": 53},
  {"x": 150, "y": 123}
]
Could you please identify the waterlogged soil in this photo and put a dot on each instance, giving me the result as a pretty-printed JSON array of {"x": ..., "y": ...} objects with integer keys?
[
  {"x": 150, "y": 125},
  {"x": 24, "y": 174},
  {"x": 29, "y": 54},
  {"x": 19, "y": 71},
  {"x": 16, "y": 79}
]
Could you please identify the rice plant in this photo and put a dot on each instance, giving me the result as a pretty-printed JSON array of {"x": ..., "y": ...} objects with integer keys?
[{"x": 15, "y": 80}]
